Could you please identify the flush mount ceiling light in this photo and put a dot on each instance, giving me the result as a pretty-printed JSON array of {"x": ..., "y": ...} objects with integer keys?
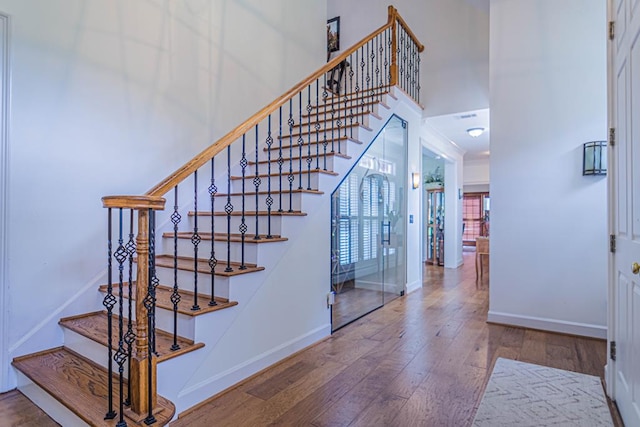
[{"x": 475, "y": 132}]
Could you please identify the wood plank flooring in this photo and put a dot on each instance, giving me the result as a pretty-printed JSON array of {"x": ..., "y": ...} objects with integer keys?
[{"x": 421, "y": 360}]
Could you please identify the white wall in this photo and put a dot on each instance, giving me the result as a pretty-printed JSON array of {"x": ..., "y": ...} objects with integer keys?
[
  {"x": 109, "y": 97},
  {"x": 476, "y": 172},
  {"x": 454, "y": 68},
  {"x": 548, "y": 97}
]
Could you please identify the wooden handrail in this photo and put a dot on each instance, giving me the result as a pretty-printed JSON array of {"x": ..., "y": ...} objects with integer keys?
[{"x": 206, "y": 155}]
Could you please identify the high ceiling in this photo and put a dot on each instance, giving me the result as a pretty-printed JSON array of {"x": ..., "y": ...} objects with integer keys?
[{"x": 453, "y": 127}]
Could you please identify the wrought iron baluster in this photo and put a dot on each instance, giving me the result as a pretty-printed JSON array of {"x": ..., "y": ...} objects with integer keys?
[
  {"x": 347, "y": 102},
  {"x": 363, "y": 64},
  {"x": 195, "y": 241},
  {"x": 269, "y": 200},
  {"x": 290, "y": 178},
  {"x": 228, "y": 209},
  {"x": 256, "y": 182},
  {"x": 379, "y": 49},
  {"x": 418, "y": 77},
  {"x": 243, "y": 224},
  {"x": 386, "y": 71},
  {"x": 213, "y": 262},
  {"x": 317, "y": 126},
  {"x": 120, "y": 356},
  {"x": 149, "y": 303},
  {"x": 309, "y": 159},
  {"x": 109, "y": 302},
  {"x": 130, "y": 336},
  {"x": 300, "y": 143},
  {"x": 280, "y": 159},
  {"x": 175, "y": 294},
  {"x": 325, "y": 142}
]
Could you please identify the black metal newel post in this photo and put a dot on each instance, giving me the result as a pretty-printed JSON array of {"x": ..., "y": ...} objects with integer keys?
[
  {"x": 175, "y": 294},
  {"x": 213, "y": 262},
  {"x": 109, "y": 302},
  {"x": 195, "y": 240}
]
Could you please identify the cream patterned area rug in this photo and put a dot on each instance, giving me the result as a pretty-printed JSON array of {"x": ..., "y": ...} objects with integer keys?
[{"x": 522, "y": 394}]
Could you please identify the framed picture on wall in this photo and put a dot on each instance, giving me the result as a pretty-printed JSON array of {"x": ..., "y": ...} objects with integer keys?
[{"x": 333, "y": 34}]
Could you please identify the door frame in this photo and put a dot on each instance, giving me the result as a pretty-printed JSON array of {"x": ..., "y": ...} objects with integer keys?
[{"x": 5, "y": 77}]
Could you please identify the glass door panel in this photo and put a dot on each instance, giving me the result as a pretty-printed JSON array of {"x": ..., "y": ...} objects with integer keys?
[{"x": 368, "y": 229}]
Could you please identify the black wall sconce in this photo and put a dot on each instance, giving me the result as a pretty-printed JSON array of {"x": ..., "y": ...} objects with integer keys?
[{"x": 594, "y": 158}]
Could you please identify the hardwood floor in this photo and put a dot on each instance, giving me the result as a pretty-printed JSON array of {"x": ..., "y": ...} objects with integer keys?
[{"x": 421, "y": 360}]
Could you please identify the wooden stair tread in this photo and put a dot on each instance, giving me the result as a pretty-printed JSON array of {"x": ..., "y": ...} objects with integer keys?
[
  {"x": 350, "y": 105},
  {"x": 222, "y": 237},
  {"x": 250, "y": 213},
  {"x": 80, "y": 385},
  {"x": 273, "y": 192},
  {"x": 187, "y": 263},
  {"x": 163, "y": 300},
  {"x": 286, "y": 173},
  {"x": 319, "y": 118},
  {"x": 94, "y": 326}
]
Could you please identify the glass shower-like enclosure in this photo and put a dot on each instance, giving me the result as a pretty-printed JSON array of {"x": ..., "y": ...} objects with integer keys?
[{"x": 368, "y": 228}]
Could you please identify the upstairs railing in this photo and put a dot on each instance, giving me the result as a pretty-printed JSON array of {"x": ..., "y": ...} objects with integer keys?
[{"x": 277, "y": 155}]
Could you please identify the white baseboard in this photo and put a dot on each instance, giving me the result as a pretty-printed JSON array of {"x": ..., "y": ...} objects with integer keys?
[
  {"x": 552, "y": 325},
  {"x": 194, "y": 394},
  {"x": 413, "y": 286}
]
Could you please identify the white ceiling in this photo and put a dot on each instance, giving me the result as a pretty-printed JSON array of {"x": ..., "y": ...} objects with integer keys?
[{"x": 453, "y": 127}]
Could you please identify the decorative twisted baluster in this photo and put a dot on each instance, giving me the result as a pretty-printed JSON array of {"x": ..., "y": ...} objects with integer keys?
[
  {"x": 120, "y": 356},
  {"x": 300, "y": 144},
  {"x": 309, "y": 159},
  {"x": 130, "y": 336},
  {"x": 290, "y": 177},
  {"x": 109, "y": 302},
  {"x": 256, "y": 182},
  {"x": 280, "y": 159},
  {"x": 195, "y": 241},
  {"x": 269, "y": 200},
  {"x": 175, "y": 294},
  {"x": 243, "y": 225},
  {"x": 150, "y": 304},
  {"x": 228, "y": 209},
  {"x": 213, "y": 262}
]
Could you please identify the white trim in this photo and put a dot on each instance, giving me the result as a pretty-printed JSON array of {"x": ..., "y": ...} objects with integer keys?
[
  {"x": 222, "y": 381},
  {"x": 552, "y": 325},
  {"x": 413, "y": 286},
  {"x": 5, "y": 77}
]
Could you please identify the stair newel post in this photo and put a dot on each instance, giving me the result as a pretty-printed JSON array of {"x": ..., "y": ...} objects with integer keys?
[
  {"x": 228, "y": 209},
  {"x": 109, "y": 302},
  {"x": 394, "y": 46},
  {"x": 290, "y": 177},
  {"x": 280, "y": 159},
  {"x": 175, "y": 294},
  {"x": 256, "y": 182},
  {"x": 309, "y": 159},
  {"x": 243, "y": 225},
  {"x": 269, "y": 200},
  {"x": 195, "y": 241},
  {"x": 213, "y": 262}
]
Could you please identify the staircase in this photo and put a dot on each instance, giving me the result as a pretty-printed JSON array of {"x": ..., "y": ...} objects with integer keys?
[{"x": 181, "y": 279}]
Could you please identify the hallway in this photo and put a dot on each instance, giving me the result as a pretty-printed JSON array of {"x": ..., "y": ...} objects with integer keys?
[{"x": 421, "y": 360}]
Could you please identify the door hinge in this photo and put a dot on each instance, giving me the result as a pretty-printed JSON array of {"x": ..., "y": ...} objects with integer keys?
[
  {"x": 612, "y": 30},
  {"x": 612, "y": 243},
  {"x": 612, "y": 350},
  {"x": 612, "y": 136}
]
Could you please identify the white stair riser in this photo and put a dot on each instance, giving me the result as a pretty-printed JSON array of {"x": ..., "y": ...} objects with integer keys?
[
  {"x": 204, "y": 224},
  {"x": 56, "y": 410},
  {"x": 186, "y": 280},
  {"x": 250, "y": 199},
  {"x": 308, "y": 180},
  {"x": 92, "y": 350},
  {"x": 164, "y": 321}
]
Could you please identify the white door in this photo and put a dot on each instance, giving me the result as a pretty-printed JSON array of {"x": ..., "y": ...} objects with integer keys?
[{"x": 624, "y": 178}]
